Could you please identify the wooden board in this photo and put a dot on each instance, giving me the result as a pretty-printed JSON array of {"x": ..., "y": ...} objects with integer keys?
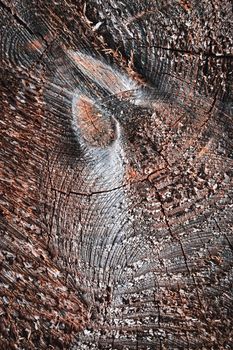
[{"x": 116, "y": 174}]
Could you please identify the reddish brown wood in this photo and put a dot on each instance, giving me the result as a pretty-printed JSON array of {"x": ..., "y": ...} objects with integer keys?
[{"x": 116, "y": 176}]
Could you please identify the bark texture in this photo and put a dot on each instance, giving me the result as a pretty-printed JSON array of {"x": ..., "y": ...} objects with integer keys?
[{"x": 116, "y": 175}]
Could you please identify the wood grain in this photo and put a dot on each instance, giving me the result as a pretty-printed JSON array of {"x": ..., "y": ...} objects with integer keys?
[{"x": 116, "y": 174}]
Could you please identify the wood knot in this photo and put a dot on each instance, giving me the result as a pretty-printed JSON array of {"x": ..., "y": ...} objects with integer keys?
[{"x": 94, "y": 126}]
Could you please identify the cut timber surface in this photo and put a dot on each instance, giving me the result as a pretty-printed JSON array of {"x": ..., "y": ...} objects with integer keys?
[{"x": 116, "y": 174}]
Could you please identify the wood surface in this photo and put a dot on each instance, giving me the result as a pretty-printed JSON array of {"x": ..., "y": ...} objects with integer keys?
[{"x": 116, "y": 174}]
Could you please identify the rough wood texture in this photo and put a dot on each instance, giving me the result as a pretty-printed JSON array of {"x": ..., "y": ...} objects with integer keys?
[{"x": 116, "y": 177}]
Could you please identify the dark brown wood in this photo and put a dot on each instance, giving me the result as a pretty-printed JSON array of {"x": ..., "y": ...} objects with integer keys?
[{"x": 116, "y": 174}]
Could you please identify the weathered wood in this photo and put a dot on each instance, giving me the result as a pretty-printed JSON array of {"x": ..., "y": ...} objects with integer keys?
[{"x": 116, "y": 177}]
